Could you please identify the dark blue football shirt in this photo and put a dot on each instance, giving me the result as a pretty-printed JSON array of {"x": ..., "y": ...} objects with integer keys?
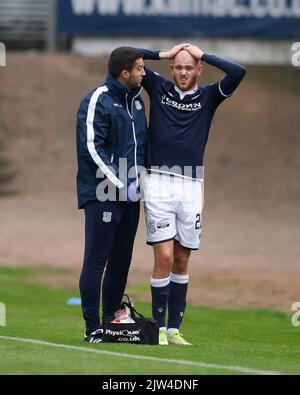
[{"x": 179, "y": 124}]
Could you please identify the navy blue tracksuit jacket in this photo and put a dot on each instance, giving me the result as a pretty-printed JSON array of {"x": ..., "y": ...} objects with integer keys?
[{"x": 111, "y": 124}]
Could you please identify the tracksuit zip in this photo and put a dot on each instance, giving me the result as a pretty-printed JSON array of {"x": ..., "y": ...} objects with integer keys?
[{"x": 134, "y": 134}]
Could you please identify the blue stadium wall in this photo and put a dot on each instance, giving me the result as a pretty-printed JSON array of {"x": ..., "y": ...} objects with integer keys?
[{"x": 272, "y": 19}]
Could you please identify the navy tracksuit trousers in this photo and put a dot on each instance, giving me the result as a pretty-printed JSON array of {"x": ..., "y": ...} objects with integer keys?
[{"x": 110, "y": 229}]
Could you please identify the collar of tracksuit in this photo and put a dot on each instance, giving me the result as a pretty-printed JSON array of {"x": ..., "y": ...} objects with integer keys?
[{"x": 115, "y": 87}]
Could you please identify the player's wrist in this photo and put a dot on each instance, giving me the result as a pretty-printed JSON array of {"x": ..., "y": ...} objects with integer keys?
[{"x": 164, "y": 55}]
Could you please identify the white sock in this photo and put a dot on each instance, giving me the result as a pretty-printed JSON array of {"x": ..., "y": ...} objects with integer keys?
[
  {"x": 171, "y": 331},
  {"x": 160, "y": 282},
  {"x": 163, "y": 328}
]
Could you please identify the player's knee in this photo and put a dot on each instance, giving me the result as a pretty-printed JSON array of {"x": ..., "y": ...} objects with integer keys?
[
  {"x": 180, "y": 265},
  {"x": 180, "y": 269},
  {"x": 165, "y": 258}
]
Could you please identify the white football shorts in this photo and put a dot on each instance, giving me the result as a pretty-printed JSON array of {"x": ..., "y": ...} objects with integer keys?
[{"x": 173, "y": 208}]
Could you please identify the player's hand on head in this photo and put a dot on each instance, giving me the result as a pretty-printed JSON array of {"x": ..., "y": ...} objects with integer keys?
[
  {"x": 174, "y": 51},
  {"x": 194, "y": 51}
]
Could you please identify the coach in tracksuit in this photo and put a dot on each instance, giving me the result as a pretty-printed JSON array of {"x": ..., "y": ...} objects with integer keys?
[
  {"x": 111, "y": 129},
  {"x": 181, "y": 114}
]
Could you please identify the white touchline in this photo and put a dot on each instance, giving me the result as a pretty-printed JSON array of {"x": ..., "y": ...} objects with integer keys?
[{"x": 144, "y": 357}]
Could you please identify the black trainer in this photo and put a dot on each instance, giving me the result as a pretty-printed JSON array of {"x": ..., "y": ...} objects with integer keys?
[{"x": 94, "y": 337}]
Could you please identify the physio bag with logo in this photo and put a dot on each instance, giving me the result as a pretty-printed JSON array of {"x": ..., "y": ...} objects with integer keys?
[{"x": 129, "y": 326}]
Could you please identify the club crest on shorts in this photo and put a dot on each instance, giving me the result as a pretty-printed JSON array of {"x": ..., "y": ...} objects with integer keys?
[
  {"x": 151, "y": 227},
  {"x": 138, "y": 105},
  {"x": 107, "y": 216}
]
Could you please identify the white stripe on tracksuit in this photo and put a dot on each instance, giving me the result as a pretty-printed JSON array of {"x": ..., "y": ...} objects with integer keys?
[{"x": 91, "y": 137}]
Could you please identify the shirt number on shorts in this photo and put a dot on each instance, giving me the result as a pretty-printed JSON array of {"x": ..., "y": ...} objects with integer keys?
[{"x": 198, "y": 222}]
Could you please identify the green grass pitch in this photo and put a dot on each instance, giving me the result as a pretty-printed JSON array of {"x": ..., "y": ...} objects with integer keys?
[{"x": 224, "y": 341}]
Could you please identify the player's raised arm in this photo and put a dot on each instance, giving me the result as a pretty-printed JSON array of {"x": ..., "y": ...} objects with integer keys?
[
  {"x": 151, "y": 78},
  {"x": 148, "y": 54},
  {"x": 235, "y": 72}
]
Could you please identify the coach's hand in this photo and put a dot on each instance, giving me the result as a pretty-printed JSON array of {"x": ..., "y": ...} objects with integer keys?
[
  {"x": 173, "y": 52},
  {"x": 194, "y": 51}
]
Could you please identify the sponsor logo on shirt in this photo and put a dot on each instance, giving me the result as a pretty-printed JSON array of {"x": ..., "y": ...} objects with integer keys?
[{"x": 195, "y": 106}]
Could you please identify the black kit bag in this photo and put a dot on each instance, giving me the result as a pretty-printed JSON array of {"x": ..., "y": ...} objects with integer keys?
[{"x": 143, "y": 331}]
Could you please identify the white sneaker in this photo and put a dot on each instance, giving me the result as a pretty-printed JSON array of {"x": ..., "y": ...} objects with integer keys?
[
  {"x": 94, "y": 337},
  {"x": 178, "y": 340}
]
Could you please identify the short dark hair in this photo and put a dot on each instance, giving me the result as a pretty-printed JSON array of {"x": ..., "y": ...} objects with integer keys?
[{"x": 123, "y": 58}]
